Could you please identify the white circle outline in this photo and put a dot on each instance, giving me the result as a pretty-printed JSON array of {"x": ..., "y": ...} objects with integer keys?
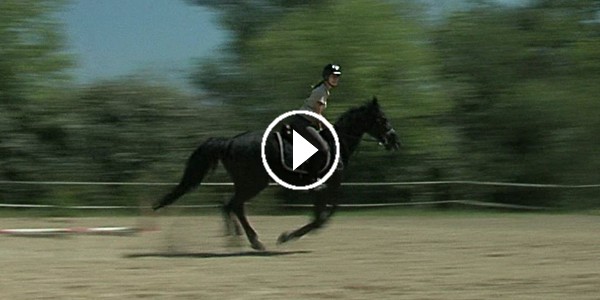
[{"x": 332, "y": 167}]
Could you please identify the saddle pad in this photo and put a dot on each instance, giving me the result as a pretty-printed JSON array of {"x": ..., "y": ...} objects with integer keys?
[{"x": 286, "y": 155}]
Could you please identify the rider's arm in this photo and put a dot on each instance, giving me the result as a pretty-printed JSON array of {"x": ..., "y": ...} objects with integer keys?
[
  {"x": 317, "y": 101},
  {"x": 319, "y": 107}
]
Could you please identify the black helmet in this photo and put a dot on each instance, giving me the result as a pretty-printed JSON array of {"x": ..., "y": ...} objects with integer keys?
[{"x": 331, "y": 69}]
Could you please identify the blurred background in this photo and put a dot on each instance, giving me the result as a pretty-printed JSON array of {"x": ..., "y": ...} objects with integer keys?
[{"x": 123, "y": 91}]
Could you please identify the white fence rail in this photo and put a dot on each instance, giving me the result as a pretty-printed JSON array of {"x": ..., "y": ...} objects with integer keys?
[
  {"x": 373, "y": 205},
  {"x": 398, "y": 183}
]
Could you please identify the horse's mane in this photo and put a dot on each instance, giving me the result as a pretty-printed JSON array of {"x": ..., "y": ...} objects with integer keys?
[{"x": 355, "y": 115}]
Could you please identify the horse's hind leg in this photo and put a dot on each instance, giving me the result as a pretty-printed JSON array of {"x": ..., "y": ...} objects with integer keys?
[
  {"x": 232, "y": 226},
  {"x": 237, "y": 206},
  {"x": 256, "y": 244}
]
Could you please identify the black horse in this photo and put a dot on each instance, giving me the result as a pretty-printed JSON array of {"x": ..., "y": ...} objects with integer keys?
[{"x": 241, "y": 156}]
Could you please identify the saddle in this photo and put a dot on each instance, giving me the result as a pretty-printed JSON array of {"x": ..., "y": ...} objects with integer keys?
[{"x": 284, "y": 142}]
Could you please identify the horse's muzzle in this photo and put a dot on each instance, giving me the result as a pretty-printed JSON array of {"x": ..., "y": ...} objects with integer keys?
[{"x": 391, "y": 141}]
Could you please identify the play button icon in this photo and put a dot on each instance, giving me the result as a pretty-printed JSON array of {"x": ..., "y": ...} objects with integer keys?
[{"x": 302, "y": 150}]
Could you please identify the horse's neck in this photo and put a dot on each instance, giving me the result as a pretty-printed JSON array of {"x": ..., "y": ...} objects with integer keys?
[{"x": 350, "y": 139}]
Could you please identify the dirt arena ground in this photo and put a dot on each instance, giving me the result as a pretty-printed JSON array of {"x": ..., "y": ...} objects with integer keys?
[{"x": 437, "y": 256}]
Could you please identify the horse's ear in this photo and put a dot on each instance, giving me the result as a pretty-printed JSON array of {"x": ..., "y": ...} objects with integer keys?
[{"x": 375, "y": 101}]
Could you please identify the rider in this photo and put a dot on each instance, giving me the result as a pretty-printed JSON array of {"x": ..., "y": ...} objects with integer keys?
[{"x": 309, "y": 127}]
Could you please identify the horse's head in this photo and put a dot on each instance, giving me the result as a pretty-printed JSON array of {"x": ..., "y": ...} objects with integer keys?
[{"x": 380, "y": 127}]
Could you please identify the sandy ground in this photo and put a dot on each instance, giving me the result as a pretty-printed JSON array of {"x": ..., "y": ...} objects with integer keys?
[{"x": 406, "y": 257}]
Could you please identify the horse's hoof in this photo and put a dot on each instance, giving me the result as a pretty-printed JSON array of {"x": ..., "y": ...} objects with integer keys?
[
  {"x": 284, "y": 237},
  {"x": 258, "y": 245}
]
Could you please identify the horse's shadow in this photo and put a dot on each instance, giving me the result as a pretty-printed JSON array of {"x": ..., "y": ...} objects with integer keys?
[{"x": 214, "y": 254}]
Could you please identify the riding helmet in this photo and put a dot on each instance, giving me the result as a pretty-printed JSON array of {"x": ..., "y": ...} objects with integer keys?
[{"x": 331, "y": 69}]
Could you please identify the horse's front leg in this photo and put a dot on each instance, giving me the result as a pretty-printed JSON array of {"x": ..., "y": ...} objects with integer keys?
[{"x": 322, "y": 213}]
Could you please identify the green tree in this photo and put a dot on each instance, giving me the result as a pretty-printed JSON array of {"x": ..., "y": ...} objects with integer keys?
[
  {"x": 521, "y": 81},
  {"x": 33, "y": 65},
  {"x": 129, "y": 130},
  {"x": 33, "y": 57}
]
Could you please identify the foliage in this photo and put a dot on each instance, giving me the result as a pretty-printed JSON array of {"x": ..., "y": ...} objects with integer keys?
[
  {"x": 521, "y": 84},
  {"x": 489, "y": 93},
  {"x": 128, "y": 130},
  {"x": 33, "y": 62}
]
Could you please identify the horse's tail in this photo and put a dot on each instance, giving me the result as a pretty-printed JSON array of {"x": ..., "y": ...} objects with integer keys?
[{"x": 203, "y": 160}]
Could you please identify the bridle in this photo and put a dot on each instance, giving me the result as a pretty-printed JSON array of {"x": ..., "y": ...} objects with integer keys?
[
  {"x": 370, "y": 139},
  {"x": 385, "y": 137}
]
